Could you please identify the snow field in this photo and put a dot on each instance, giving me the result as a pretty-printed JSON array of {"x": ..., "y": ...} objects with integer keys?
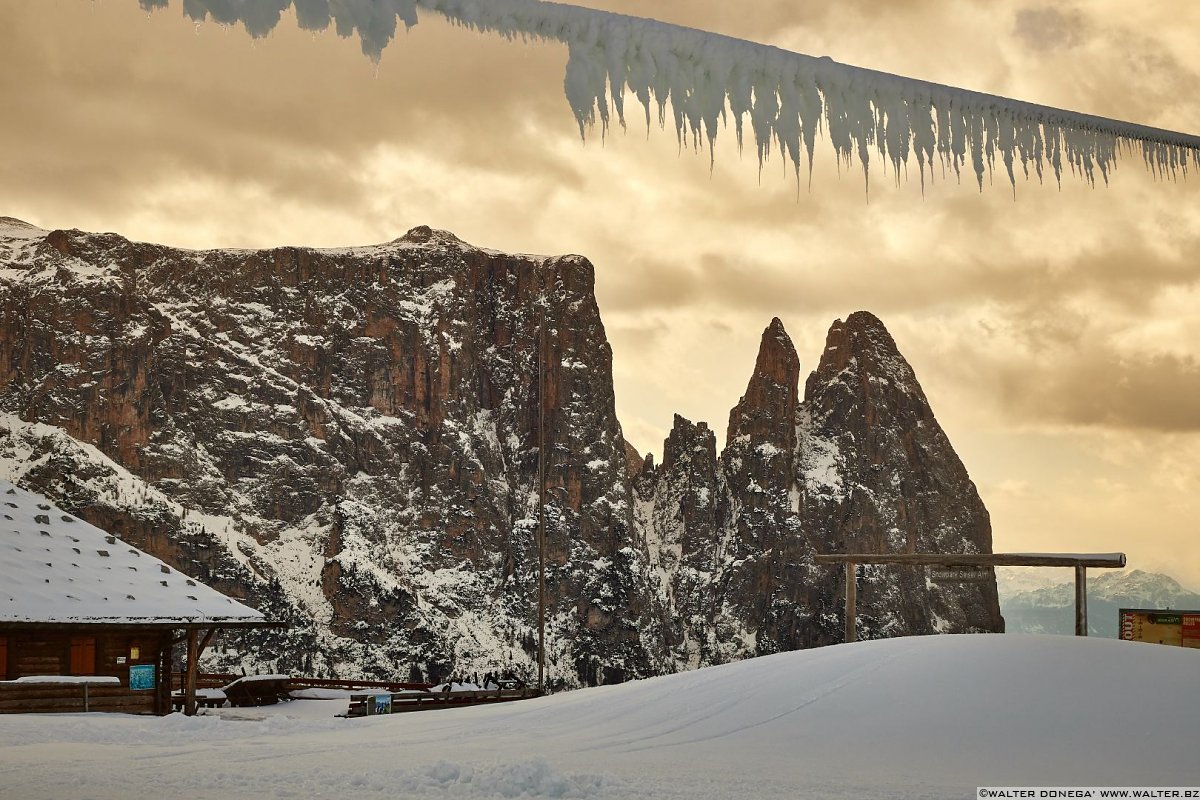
[{"x": 914, "y": 717}]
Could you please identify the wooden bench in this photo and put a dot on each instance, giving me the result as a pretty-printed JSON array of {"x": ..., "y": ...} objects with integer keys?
[{"x": 248, "y": 690}]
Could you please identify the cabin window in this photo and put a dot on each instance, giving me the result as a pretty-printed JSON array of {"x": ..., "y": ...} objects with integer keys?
[
  {"x": 83, "y": 655},
  {"x": 135, "y": 652}
]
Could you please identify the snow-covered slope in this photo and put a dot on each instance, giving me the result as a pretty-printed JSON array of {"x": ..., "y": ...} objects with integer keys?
[{"x": 922, "y": 717}]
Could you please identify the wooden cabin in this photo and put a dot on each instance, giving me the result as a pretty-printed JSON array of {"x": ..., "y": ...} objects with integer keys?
[{"x": 90, "y": 623}]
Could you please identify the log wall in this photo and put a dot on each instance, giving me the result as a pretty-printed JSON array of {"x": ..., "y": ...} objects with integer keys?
[
  {"x": 43, "y": 698},
  {"x": 37, "y": 651}
]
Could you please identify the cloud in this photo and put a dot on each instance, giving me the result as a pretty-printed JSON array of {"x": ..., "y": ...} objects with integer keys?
[
  {"x": 1050, "y": 28},
  {"x": 1097, "y": 387},
  {"x": 292, "y": 119}
]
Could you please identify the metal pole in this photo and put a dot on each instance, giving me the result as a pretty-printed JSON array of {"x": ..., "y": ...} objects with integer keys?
[
  {"x": 542, "y": 504},
  {"x": 1081, "y": 628},
  {"x": 851, "y": 602}
]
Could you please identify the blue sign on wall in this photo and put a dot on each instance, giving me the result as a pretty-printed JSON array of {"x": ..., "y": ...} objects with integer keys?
[{"x": 141, "y": 676}]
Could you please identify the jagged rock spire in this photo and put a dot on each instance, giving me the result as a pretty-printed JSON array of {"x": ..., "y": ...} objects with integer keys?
[
  {"x": 767, "y": 409},
  {"x": 881, "y": 476}
]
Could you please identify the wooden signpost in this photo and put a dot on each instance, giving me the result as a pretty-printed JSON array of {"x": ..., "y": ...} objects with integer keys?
[{"x": 971, "y": 567}]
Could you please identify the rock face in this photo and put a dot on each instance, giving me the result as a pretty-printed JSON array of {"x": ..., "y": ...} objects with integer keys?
[
  {"x": 896, "y": 485},
  {"x": 859, "y": 464},
  {"x": 348, "y": 439}
]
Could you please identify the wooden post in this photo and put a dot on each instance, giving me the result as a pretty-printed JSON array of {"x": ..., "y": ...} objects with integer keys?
[
  {"x": 162, "y": 703},
  {"x": 189, "y": 678},
  {"x": 851, "y": 602},
  {"x": 1081, "y": 628}
]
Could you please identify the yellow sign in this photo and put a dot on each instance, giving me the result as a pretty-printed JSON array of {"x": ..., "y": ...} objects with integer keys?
[{"x": 1178, "y": 628}]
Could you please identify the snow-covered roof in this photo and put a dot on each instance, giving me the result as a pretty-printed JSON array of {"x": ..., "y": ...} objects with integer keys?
[{"x": 55, "y": 567}]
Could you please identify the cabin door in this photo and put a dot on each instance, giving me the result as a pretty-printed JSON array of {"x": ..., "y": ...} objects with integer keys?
[{"x": 83, "y": 655}]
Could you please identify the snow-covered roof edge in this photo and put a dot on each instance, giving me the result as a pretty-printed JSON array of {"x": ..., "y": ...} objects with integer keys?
[{"x": 788, "y": 97}]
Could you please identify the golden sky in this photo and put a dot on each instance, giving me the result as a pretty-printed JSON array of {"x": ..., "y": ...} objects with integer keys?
[{"x": 1055, "y": 333}]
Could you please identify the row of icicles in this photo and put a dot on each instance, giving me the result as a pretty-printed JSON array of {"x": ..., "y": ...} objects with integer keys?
[{"x": 787, "y": 98}]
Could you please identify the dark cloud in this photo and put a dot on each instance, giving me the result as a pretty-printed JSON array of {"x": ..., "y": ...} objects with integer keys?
[
  {"x": 1093, "y": 385},
  {"x": 113, "y": 104},
  {"x": 1050, "y": 27}
]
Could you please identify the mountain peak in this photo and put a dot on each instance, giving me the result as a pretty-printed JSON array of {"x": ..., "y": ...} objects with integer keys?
[
  {"x": 865, "y": 320},
  {"x": 423, "y": 234},
  {"x": 862, "y": 345},
  {"x": 771, "y": 393},
  {"x": 686, "y": 439}
]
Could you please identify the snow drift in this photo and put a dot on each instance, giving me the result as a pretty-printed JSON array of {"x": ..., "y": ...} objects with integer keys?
[{"x": 924, "y": 716}]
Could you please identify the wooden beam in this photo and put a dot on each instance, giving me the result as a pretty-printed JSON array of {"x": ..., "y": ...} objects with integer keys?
[
  {"x": 189, "y": 681},
  {"x": 1081, "y": 601},
  {"x": 851, "y": 602},
  {"x": 1109, "y": 560}
]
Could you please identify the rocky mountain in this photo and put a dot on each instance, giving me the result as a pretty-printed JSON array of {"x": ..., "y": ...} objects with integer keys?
[
  {"x": 345, "y": 437},
  {"x": 1051, "y": 609},
  {"x": 348, "y": 439},
  {"x": 858, "y": 464}
]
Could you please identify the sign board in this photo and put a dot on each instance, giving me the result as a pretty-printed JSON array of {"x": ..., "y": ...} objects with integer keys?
[
  {"x": 379, "y": 704},
  {"x": 1178, "y": 628},
  {"x": 948, "y": 574},
  {"x": 141, "y": 676}
]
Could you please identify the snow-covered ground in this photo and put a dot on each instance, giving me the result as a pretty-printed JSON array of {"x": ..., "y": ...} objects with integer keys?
[{"x": 914, "y": 717}]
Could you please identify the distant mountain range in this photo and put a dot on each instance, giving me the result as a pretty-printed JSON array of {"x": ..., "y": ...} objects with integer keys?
[{"x": 1034, "y": 601}]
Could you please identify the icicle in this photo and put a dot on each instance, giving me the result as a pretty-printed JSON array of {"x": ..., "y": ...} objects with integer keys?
[{"x": 786, "y": 96}]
